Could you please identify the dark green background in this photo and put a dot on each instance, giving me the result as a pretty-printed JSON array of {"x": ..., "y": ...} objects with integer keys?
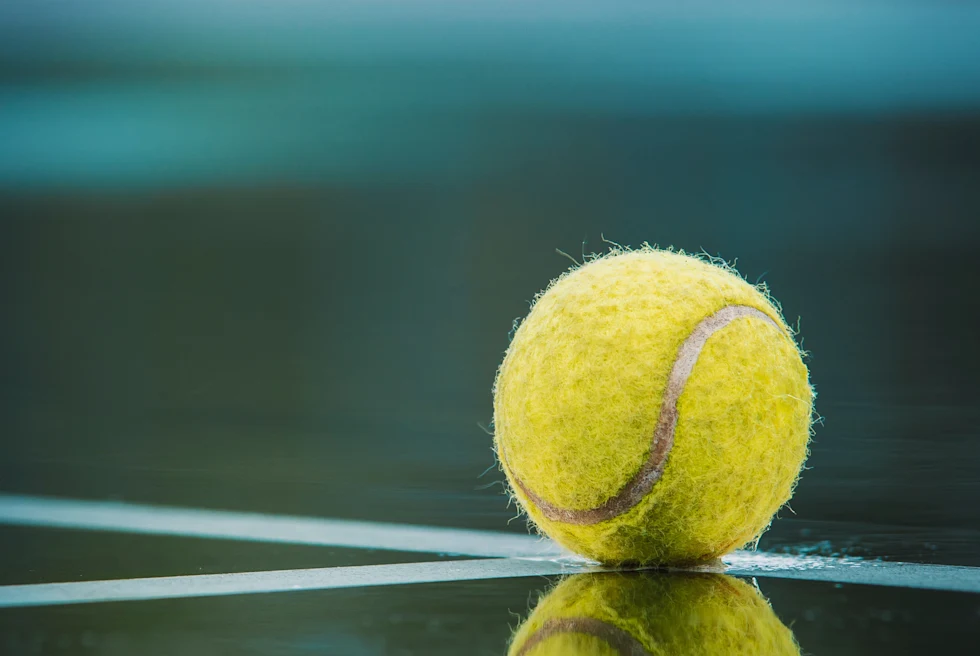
[{"x": 269, "y": 260}]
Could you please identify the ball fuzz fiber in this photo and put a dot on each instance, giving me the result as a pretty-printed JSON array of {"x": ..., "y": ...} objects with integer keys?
[
  {"x": 653, "y": 614},
  {"x": 653, "y": 407}
]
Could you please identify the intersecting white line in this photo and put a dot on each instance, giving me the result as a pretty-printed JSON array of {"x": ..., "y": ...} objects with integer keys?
[
  {"x": 257, "y": 527},
  {"x": 504, "y": 556}
]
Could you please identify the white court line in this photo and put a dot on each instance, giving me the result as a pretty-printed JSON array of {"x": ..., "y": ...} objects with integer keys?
[
  {"x": 938, "y": 577},
  {"x": 518, "y": 555},
  {"x": 256, "y": 527},
  {"x": 862, "y": 572},
  {"x": 210, "y": 585}
]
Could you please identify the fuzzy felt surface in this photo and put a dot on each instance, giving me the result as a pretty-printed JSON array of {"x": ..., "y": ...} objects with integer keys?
[
  {"x": 653, "y": 613},
  {"x": 579, "y": 393}
]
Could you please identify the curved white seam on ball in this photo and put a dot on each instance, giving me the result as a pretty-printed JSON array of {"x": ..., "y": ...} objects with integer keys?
[{"x": 663, "y": 435}]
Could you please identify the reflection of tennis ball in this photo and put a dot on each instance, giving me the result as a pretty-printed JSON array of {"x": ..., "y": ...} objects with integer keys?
[
  {"x": 653, "y": 614},
  {"x": 652, "y": 408}
]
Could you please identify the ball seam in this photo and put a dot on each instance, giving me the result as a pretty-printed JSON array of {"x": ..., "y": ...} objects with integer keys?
[{"x": 663, "y": 436}]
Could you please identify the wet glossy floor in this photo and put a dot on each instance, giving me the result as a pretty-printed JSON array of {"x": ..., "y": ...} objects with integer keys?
[
  {"x": 475, "y": 617},
  {"x": 278, "y": 584}
]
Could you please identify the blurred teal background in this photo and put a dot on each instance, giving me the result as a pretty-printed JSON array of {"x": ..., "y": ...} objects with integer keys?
[{"x": 266, "y": 256}]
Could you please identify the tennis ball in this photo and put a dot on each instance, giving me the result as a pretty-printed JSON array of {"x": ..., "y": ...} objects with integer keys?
[
  {"x": 653, "y": 407},
  {"x": 653, "y": 614}
]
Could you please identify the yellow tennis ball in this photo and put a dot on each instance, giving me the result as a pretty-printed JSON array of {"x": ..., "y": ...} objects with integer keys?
[
  {"x": 652, "y": 408},
  {"x": 653, "y": 614}
]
